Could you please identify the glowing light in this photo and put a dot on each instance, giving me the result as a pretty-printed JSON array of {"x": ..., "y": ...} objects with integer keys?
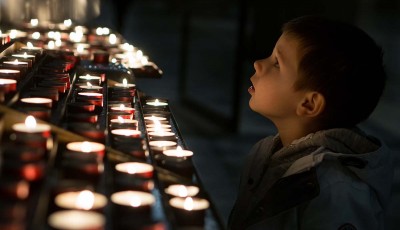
[
  {"x": 67, "y": 22},
  {"x": 36, "y": 35},
  {"x": 34, "y": 22},
  {"x": 85, "y": 200},
  {"x": 120, "y": 119},
  {"x": 135, "y": 201},
  {"x": 125, "y": 82},
  {"x": 188, "y": 204},
  {"x": 182, "y": 191},
  {"x": 30, "y": 122},
  {"x": 112, "y": 39},
  {"x": 86, "y": 147}
]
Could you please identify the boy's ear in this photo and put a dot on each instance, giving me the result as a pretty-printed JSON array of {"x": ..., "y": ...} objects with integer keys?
[{"x": 312, "y": 104}]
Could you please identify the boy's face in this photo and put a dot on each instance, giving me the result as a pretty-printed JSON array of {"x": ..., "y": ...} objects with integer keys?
[{"x": 272, "y": 93}]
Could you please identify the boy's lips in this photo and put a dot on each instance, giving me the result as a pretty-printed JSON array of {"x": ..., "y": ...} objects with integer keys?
[{"x": 251, "y": 89}]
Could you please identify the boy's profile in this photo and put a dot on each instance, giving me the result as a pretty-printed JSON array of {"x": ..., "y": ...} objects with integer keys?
[{"x": 320, "y": 171}]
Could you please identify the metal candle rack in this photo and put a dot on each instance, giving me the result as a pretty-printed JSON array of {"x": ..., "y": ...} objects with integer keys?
[{"x": 59, "y": 171}]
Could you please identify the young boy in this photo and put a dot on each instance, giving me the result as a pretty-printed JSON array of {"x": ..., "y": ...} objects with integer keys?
[{"x": 320, "y": 171}]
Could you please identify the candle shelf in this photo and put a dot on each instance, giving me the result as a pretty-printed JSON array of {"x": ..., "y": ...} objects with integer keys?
[{"x": 95, "y": 138}]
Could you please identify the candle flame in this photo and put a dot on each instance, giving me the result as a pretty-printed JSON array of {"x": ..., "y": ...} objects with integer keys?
[
  {"x": 51, "y": 44},
  {"x": 157, "y": 126},
  {"x": 58, "y": 42},
  {"x": 139, "y": 54},
  {"x": 85, "y": 200},
  {"x": 125, "y": 82},
  {"x": 120, "y": 119},
  {"x": 144, "y": 61},
  {"x": 131, "y": 169},
  {"x": 80, "y": 48},
  {"x": 13, "y": 33},
  {"x": 86, "y": 147},
  {"x": 182, "y": 191},
  {"x": 25, "y": 55},
  {"x": 112, "y": 39},
  {"x": 89, "y": 84},
  {"x": 29, "y": 45},
  {"x": 35, "y": 35},
  {"x": 30, "y": 122},
  {"x": 34, "y": 22},
  {"x": 179, "y": 152},
  {"x": 188, "y": 204},
  {"x": 67, "y": 22},
  {"x": 135, "y": 201},
  {"x": 121, "y": 106}
]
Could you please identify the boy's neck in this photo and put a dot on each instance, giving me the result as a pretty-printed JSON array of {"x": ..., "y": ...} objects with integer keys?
[{"x": 289, "y": 133}]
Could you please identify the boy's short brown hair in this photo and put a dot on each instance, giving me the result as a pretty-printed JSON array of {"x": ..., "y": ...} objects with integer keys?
[{"x": 341, "y": 62}]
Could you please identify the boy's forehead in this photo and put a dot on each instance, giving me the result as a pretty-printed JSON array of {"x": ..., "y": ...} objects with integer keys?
[{"x": 287, "y": 48}]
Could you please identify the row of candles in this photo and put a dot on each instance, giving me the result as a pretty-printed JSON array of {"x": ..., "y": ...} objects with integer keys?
[
  {"x": 133, "y": 181},
  {"x": 99, "y": 44}
]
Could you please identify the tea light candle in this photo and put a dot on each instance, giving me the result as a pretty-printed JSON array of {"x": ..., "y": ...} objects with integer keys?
[
  {"x": 120, "y": 122},
  {"x": 123, "y": 108},
  {"x": 91, "y": 88},
  {"x": 10, "y": 74},
  {"x": 18, "y": 65},
  {"x": 30, "y": 48},
  {"x": 134, "y": 199},
  {"x": 93, "y": 98},
  {"x": 85, "y": 200},
  {"x": 77, "y": 220},
  {"x": 8, "y": 85},
  {"x": 31, "y": 127},
  {"x": 26, "y": 57},
  {"x": 157, "y": 103},
  {"x": 125, "y": 84},
  {"x": 159, "y": 146},
  {"x": 135, "y": 168},
  {"x": 178, "y": 152},
  {"x": 180, "y": 190},
  {"x": 162, "y": 135},
  {"x": 94, "y": 80},
  {"x": 86, "y": 147},
  {"x": 176, "y": 160},
  {"x": 37, "y": 101},
  {"x": 134, "y": 176},
  {"x": 154, "y": 118},
  {"x": 126, "y": 132},
  {"x": 189, "y": 211}
]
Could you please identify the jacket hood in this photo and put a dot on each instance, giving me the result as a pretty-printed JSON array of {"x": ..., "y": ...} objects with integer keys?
[{"x": 376, "y": 169}]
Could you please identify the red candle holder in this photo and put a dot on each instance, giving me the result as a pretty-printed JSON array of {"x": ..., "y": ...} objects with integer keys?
[
  {"x": 73, "y": 107},
  {"x": 10, "y": 74},
  {"x": 37, "y": 101},
  {"x": 8, "y": 85}
]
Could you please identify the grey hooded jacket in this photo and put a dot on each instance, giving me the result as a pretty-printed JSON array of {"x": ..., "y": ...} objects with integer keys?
[{"x": 332, "y": 179}]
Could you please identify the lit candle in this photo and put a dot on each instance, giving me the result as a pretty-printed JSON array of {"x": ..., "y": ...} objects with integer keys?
[
  {"x": 123, "y": 108},
  {"x": 177, "y": 160},
  {"x": 155, "y": 118},
  {"x": 92, "y": 88},
  {"x": 85, "y": 200},
  {"x": 89, "y": 94},
  {"x": 180, "y": 190},
  {"x": 31, "y": 127},
  {"x": 126, "y": 132},
  {"x": 159, "y": 146},
  {"x": 10, "y": 74},
  {"x": 91, "y": 97},
  {"x": 178, "y": 152},
  {"x": 77, "y": 220},
  {"x": 30, "y": 48},
  {"x": 18, "y": 65},
  {"x": 189, "y": 211},
  {"x": 96, "y": 80},
  {"x": 134, "y": 199},
  {"x": 125, "y": 84},
  {"x": 8, "y": 85},
  {"x": 38, "y": 101},
  {"x": 24, "y": 55},
  {"x": 86, "y": 147},
  {"x": 120, "y": 122},
  {"x": 162, "y": 135},
  {"x": 135, "y": 168},
  {"x": 156, "y": 103}
]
